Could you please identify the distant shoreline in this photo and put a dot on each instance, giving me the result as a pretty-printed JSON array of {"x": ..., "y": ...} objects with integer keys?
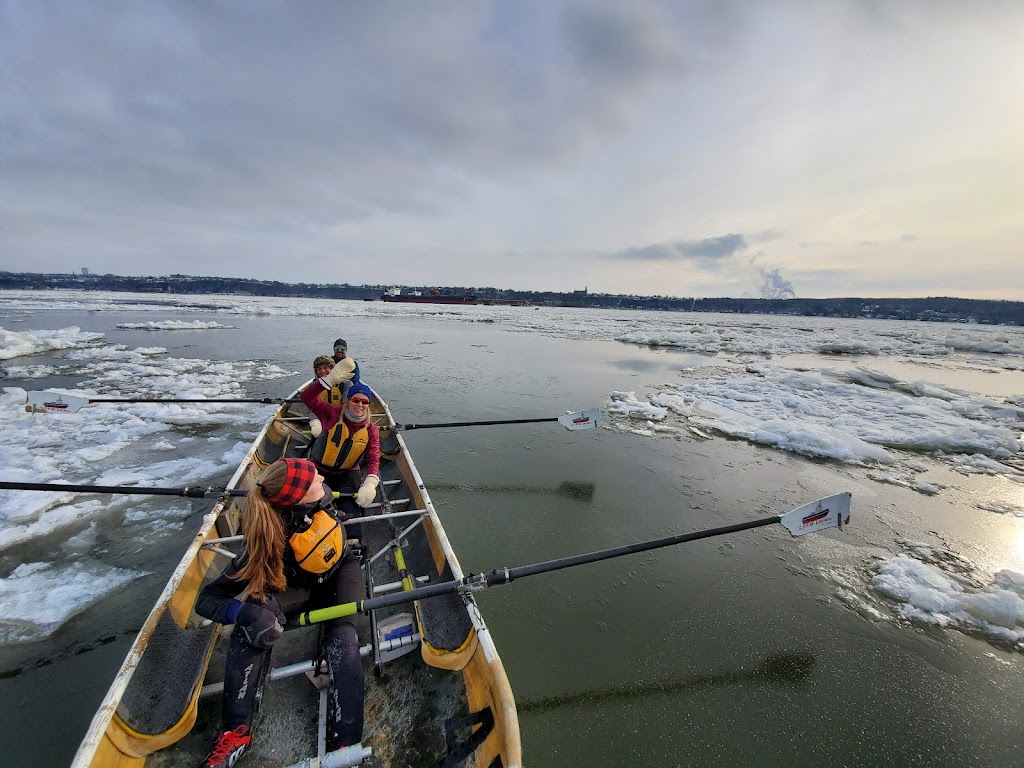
[{"x": 934, "y": 309}]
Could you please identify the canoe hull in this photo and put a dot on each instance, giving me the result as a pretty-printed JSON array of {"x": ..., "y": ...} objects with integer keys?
[{"x": 452, "y": 700}]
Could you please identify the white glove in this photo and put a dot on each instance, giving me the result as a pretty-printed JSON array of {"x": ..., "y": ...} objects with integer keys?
[
  {"x": 367, "y": 491},
  {"x": 315, "y": 427},
  {"x": 343, "y": 371}
]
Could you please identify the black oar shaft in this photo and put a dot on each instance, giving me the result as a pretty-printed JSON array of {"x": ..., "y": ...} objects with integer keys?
[
  {"x": 406, "y": 427},
  {"x": 264, "y": 400},
  {"x": 505, "y": 575},
  {"x": 508, "y": 574},
  {"x": 193, "y": 493}
]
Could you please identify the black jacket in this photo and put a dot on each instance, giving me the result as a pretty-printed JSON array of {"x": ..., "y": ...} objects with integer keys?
[{"x": 215, "y": 598}]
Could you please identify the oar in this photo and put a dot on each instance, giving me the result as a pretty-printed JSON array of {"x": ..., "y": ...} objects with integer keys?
[
  {"x": 58, "y": 402},
  {"x": 829, "y": 512},
  {"x": 131, "y": 490},
  {"x": 588, "y": 419}
]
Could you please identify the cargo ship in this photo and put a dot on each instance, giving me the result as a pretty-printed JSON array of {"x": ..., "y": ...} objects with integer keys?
[{"x": 434, "y": 297}]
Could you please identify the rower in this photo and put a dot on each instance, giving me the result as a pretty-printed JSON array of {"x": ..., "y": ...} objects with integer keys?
[
  {"x": 349, "y": 443},
  {"x": 292, "y": 539},
  {"x": 322, "y": 365}
]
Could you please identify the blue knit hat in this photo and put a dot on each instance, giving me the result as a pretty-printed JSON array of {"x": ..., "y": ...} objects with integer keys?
[{"x": 359, "y": 388}]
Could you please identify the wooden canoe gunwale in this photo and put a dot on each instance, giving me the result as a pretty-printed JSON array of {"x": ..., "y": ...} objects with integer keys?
[{"x": 104, "y": 715}]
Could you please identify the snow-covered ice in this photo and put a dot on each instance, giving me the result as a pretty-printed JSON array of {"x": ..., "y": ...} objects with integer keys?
[{"x": 173, "y": 325}]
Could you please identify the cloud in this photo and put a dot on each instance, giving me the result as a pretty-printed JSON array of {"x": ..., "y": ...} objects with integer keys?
[
  {"x": 713, "y": 256},
  {"x": 619, "y": 43},
  {"x": 771, "y": 283},
  {"x": 278, "y": 143},
  {"x": 775, "y": 286},
  {"x": 907, "y": 237},
  {"x": 710, "y": 249},
  {"x": 765, "y": 236}
]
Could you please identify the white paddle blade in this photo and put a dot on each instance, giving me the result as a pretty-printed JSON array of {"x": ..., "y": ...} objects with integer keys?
[
  {"x": 830, "y": 512},
  {"x": 53, "y": 402},
  {"x": 588, "y": 419}
]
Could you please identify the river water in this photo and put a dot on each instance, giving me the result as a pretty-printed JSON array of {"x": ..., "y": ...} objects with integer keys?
[{"x": 899, "y": 640}]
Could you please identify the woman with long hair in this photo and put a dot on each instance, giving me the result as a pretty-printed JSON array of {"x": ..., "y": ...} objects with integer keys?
[{"x": 292, "y": 539}]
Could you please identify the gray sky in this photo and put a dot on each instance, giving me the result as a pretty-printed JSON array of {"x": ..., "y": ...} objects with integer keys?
[{"x": 835, "y": 148}]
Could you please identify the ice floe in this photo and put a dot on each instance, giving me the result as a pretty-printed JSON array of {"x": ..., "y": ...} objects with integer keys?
[
  {"x": 858, "y": 416},
  {"x": 929, "y": 586},
  {"x": 37, "y": 598},
  {"x": 145, "y": 444},
  {"x": 22, "y": 343},
  {"x": 926, "y": 594},
  {"x": 173, "y": 325}
]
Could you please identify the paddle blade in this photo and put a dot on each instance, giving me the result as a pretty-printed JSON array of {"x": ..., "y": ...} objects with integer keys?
[
  {"x": 588, "y": 419},
  {"x": 53, "y": 402},
  {"x": 830, "y": 512}
]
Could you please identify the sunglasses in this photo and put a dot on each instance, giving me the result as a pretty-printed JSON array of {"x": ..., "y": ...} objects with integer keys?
[{"x": 359, "y": 401}]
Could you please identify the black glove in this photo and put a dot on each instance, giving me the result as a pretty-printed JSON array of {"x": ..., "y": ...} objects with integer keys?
[
  {"x": 326, "y": 502},
  {"x": 262, "y": 625}
]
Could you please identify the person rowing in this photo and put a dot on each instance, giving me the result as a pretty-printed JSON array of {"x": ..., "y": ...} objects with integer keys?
[
  {"x": 322, "y": 365},
  {"x": 292, "y": 539},
  {"x": 349, "y": 443}
]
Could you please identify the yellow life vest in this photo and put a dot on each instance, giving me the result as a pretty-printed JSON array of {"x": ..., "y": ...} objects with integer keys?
[
  {"x": 332, "y": 396},
  {"x": 320, "y": 547},
  {"x": 337, "y": 449}
]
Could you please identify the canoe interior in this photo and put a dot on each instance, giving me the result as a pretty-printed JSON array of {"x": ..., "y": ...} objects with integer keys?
[{"x": 446, "y": 703}]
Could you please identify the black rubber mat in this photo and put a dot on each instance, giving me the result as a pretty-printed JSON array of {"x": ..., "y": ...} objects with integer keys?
[{"x": 159, "y": 692}]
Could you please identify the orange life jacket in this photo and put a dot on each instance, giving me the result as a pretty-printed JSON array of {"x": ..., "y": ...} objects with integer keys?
[
  {"x": 332, "y": 396},
  {"x": 338, "y": 449},
  {"x": 320, "y": 547}
]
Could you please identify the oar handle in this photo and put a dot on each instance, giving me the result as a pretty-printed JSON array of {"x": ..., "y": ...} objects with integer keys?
[
  {"x": 407, "y": 427},
  {"x": 365, "y": 606}
]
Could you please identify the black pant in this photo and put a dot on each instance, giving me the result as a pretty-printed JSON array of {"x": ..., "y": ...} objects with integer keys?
[{"x": 247, "y": 666}]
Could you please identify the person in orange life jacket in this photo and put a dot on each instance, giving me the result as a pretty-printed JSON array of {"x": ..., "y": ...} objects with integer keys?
[
  {"x": 322, "y": 366},
  {"x": 349, "y": 439},
  {"x": 288, "y": 503}
]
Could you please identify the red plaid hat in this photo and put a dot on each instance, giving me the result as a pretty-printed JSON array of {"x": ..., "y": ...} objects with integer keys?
[{"x": 301, "y": 473}]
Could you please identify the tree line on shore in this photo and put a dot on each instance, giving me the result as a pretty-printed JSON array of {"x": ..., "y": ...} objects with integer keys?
[{"x": 940, "y": 308}]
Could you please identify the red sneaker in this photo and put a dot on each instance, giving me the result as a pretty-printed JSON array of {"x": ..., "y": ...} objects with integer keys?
[{"x": 229, "y": 747}]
